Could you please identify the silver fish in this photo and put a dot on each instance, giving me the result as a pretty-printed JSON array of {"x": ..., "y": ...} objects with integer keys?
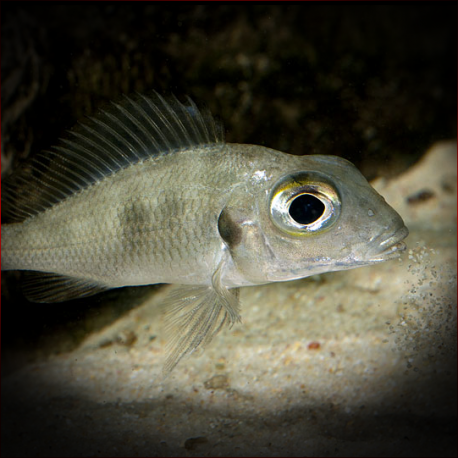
[{"x": 148, "y": 192}]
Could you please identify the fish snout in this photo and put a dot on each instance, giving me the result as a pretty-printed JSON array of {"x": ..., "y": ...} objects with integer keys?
[{"x": 387, "y": 245}]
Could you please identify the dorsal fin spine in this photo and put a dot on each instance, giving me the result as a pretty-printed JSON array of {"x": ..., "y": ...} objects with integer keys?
[
  {"x": 130, "y": 133},
  {"x": 115, "y": 134},
  {"x": 87, "y": 140},
  {"x": 86, "y": 167},
  {"x": 139, "y": 125},
  {"x": 82, "y": 152},
  {"x": 68, "y": 169},
  {"x": 78, "y": 147},
  {"x": 126, "y": 133},
  {"x": 99, "y": 139},
  {"x": 195, "y": 126},
  {"x": 168, "y": 110},
  {"x": 164, "y": 121},
  {"x": 179, "y": 122},
  {"x": 147, "y": 122}
]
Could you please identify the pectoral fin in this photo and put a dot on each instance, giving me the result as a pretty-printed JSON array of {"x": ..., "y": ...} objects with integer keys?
[{"x": 195, "y": 314}]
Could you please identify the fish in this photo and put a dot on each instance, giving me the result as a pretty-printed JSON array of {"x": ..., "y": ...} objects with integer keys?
[{"x": 147, "y": 191}]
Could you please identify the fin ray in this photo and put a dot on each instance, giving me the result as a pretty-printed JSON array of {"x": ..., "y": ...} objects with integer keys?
[
  {"x": 49, "y": 287},
  {"x": 131, "y": 131},
  {"x": 195, "y": 314}
]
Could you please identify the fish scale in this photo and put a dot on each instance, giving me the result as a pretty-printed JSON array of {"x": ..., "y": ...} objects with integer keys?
[{"x": 148, "y": 192}]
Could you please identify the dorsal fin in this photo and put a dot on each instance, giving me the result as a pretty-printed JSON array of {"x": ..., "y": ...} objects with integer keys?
[{"x": 131, "y": 131}]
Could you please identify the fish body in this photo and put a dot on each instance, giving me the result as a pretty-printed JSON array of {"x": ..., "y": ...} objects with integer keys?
[{"x": 148, "y": 192}]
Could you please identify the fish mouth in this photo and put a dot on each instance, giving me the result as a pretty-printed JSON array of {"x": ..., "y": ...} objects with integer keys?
[{"x": 390, "y": 247}]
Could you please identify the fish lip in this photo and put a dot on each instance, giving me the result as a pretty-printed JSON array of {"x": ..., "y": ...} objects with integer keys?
[{"x": 390, "y": 247}]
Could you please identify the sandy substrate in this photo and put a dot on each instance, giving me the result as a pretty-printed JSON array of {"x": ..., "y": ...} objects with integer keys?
[{"x": 356, "y": 363}]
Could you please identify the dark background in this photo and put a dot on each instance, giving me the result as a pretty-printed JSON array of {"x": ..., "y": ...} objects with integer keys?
[{"x": 375, "y": 83}]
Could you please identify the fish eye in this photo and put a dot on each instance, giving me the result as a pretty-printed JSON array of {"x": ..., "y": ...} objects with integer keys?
[
  {"x": 304, "y": 202},
  {"x": 306, "y": 209}
]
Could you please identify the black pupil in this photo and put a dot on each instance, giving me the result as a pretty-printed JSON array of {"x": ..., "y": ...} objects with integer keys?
[{"x": 306, "y": 209}]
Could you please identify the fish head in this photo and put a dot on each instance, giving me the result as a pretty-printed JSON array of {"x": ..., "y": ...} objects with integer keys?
[{"x": 316, "y": 215}]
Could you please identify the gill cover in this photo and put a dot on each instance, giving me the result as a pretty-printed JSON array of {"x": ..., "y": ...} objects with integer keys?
[{"x": 240, "y": 230}]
